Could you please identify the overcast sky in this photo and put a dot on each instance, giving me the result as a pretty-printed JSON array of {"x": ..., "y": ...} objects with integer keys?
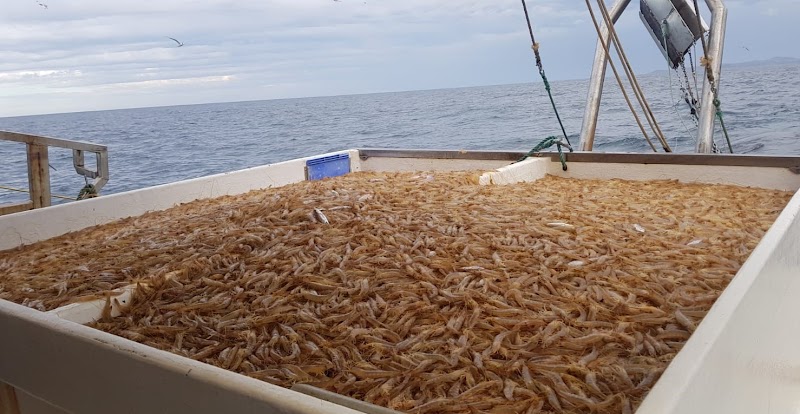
[{"x": 78, "y": 55}]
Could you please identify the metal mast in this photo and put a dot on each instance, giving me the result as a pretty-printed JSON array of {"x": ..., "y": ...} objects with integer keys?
[{"x": 716, "y": 41}]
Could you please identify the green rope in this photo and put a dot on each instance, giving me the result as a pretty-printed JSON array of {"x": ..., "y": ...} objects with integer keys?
[
  {"x": 553, "y": 102},
  {"x": 722, "y": 123},
  {"x": 535, "y": 47},
  {"x": 547, "y": 143},
  {"x": 88, "y": 191}
]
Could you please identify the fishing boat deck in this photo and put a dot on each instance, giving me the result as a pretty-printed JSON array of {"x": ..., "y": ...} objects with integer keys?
[{"x": 420, "y": 290}]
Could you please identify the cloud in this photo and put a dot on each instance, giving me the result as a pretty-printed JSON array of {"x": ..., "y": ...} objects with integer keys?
[
  {"x": 110, "y": 51},
  {"x": 160, "y": 83},
  {"x": 26, "y": 75}
]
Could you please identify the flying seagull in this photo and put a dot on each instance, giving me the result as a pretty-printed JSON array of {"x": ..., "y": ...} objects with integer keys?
[{"x": 176, "y": 41}]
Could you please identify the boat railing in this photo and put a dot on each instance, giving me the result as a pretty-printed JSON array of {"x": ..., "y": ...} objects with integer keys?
[{"x": 39, "y": 167}]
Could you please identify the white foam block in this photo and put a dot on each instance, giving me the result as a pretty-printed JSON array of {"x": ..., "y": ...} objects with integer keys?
[{"x": 529, "y": 170}]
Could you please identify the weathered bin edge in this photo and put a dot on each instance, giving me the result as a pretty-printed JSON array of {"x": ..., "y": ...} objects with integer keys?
[
  {"x": 36, "y": 225},
  {"x": 744, "y": 358},
  {"x": 41, "y": 224},
  {"x": 83, "y": 370}
]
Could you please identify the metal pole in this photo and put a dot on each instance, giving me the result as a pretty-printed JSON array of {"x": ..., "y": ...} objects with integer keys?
[
  {"x": 596, "y": 81},
  {"x": 637, "y": 89},
  {"x": 716, "y": 42}
]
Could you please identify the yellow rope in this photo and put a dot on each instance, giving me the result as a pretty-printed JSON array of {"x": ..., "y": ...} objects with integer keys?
[{"x": 21, "y": 190}]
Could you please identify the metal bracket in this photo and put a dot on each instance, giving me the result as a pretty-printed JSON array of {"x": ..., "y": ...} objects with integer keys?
[{"x": 100, "y": 176}]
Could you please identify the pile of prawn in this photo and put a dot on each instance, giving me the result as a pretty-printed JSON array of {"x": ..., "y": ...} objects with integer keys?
[{"x": 421, "y": 292}]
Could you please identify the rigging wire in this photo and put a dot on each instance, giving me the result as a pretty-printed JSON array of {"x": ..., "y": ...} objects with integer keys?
[
  {"x": 674, "y": 106},
  {"x": 616, "y": 75},
  {"x": 22, "y": 190},
  {"x": 637, "y": 89},
  {"x": 692, "y": 57},
  {"x": 665, "y": 31},
  {"x": 535, "y": 47},
  {"x": 687, "y": 89}
]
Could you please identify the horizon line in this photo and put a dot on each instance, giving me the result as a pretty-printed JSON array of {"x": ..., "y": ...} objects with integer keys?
[{"x": 746, "y": 64}]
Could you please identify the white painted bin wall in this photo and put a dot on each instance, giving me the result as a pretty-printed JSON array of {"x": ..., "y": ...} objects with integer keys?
[
  {"x": 391, "y": 164},
  {"x": 42, "y": 224},
  {"x": 760, "y": 177},
  {"x": 83, "y": 370},
  {"x": 745, "y": 355},
  {"x": 742, "y": 358}
]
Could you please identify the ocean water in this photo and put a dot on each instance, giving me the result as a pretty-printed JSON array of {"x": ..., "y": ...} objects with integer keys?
[{"x": 151, "y": 146}]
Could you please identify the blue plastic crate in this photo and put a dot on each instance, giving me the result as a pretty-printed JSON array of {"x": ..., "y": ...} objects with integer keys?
[{"x": 330, "y": 166}]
